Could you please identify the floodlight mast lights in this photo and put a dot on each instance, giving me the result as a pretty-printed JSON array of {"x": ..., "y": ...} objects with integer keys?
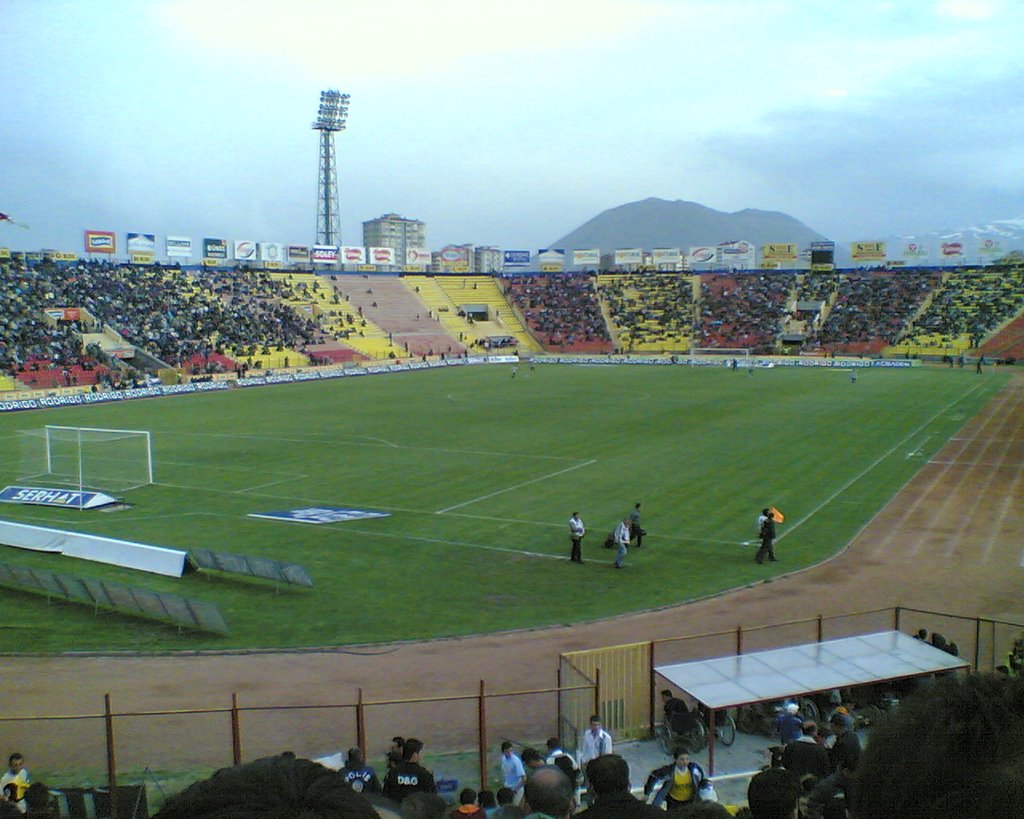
[{"x": 331, "y": 118}]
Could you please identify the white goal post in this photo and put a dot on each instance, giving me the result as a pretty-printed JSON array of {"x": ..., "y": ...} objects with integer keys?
[
  {"x": 111, "y": 460},
  {"x": 725, "y": 354}
]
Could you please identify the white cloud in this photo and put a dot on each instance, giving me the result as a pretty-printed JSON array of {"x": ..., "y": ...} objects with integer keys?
[{"x": 968, "y": 9}]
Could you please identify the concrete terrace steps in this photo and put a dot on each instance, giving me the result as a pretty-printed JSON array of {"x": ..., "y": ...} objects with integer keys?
[
  {"x": 485, "y": 290},
  {"x": 397, "y": 309},
  {"x": 363, "y": 335}
]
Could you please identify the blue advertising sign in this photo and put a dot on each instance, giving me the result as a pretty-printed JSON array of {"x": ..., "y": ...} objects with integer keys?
[
  {"x": 320, "y": 514},
  {"x": 516, "y": 258}
]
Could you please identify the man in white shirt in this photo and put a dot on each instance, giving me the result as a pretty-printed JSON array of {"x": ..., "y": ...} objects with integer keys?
[
  {"x": 576, "y": 533},
  {"x": 622, "y": 541},
  {"x": 595, "y": 741},
  {"x": 513, "y": 774}
]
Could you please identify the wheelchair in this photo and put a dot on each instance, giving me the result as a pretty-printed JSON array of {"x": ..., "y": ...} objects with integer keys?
[{"x": 691, "y": 732}]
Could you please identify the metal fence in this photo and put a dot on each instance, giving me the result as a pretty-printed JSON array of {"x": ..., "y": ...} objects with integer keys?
[{"x": 616, "y": 682}]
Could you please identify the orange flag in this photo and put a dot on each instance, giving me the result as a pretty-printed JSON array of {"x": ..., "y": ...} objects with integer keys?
[{"x": 777, "y": 516}]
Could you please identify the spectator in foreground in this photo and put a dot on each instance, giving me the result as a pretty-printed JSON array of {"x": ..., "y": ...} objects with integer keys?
[
  {"x": 609, "y": 780},
  {"x": 468, "y": 808},
  {"x": 276, "y": 787},
  {"x": 507, "y": 809},
  {"x": 15, "y": 781},
  {"x": 952, "y": 749},
  {"x": 423, "y": 805},
  {"x": 548, "y": 794},
  {"x": 774, "y": 794}
]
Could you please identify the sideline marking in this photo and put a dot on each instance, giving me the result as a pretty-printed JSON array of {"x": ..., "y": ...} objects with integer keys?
[
  {"x": 870, "y": 467},
  {"x": 517, "y": 486}
]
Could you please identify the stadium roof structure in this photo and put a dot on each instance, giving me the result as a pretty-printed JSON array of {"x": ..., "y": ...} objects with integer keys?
[{"x": 781, "y": 673}]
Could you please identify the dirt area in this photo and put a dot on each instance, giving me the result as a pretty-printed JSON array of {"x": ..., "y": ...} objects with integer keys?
[{"x": 949, "y": 541}]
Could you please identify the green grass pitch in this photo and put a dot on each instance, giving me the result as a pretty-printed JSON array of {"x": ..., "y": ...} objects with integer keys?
[{"x": 480, "y": 472}]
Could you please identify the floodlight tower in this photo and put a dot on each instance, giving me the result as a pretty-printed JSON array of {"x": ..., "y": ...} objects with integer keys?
[{"x": 330, "y": 119}]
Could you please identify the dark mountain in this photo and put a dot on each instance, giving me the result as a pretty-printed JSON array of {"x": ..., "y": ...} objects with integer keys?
[{"x": 653, "y": 223}]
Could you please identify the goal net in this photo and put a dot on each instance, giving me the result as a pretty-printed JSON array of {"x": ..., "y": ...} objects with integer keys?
[
  {"x": 109, "y": 460},
  {"x": 723, "y": 355}
]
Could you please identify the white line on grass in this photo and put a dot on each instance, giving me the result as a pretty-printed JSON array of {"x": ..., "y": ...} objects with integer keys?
[
  {"x": 368, "y": 441},
  {"x": 518, "y": 486},
  {"x": 901, "y": 443},
  {"x": 265, "y": 485}
]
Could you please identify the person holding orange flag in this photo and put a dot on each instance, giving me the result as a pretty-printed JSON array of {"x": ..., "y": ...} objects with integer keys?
[{"x": 766, "y": 532}]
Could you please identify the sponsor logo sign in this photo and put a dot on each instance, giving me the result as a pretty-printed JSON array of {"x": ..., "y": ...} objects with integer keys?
[
  {"x": 179, "y": 246},
  {"x": 351, "y": 254},
  {"x": 215, "y": 248},
  {"x": 245, "y": 250},
  {"x": 320, "y": 514},
  {"x": 141, "y": 258},
  {"x": 629, "y": 255},
  {"x": 515, "y": 258},
  {"x": 779, "y": 252},
  {"x": 990, "y": 247},
  {"x": 666, "y": 255},
  {"x": 734, "y": 254},
  {"x": 700, "y": 255},
  {"x": 453, "y": 254},
  {"x": 867, "y": 251},
  {"x": 271, "y": 251},
  {"x": 381, "y": 255},
  {"x": 298, "y": 253},
  {"x": 100, "y": 241},
  {"x": 140, "y": 243},
  {"x": 5, "y": 253},
  {"x": 417, "y": 256},
  {"x": 41, "y": 496},
  {"x": 590, "y": 257},
  {"x": 914, "y": 250},
  {"x": 952, "y": 249},
  {"x": 325, "y": 254},
  {"x": 212, "y": 262},
  {"x": 62, "y": 256}
]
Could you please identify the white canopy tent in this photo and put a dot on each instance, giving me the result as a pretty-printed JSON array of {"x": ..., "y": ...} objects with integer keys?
[{"x": 782, "y": 673}]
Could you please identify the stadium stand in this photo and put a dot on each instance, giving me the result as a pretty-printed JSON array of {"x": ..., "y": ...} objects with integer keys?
[
  {"x": 872, "y": 309},
  {"x": 563, "y": 311},
  {"x": 502, "y": 320},
  {"x": 969, "y": 305},
  {"x": 745, "y": 311},
  {"x": 339, "y": 316},
  {"x": 651, "y": 312},
  {"x": 394, "y": 307}
]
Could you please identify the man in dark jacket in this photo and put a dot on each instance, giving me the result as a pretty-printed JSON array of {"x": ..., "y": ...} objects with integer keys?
[
  {"x": 408, "y": 776},
  {"x": 805, "y": 756},
  {"x": 609, "y": 779}
]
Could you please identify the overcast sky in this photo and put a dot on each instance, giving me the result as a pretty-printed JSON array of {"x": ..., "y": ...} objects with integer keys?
[{"x": 506, "y": 123}]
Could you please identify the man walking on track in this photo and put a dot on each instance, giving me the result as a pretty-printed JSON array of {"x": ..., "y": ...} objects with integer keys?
[{"x": 576, "y": 533}]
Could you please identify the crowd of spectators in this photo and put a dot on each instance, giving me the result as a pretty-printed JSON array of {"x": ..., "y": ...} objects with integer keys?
[
  {"x": 743, "y": 311},
  {"x": 971, "y": 302},
  {"x": 170, "y": 313},
  {"x": 561, "y": 310},
  {"x": 650, "y": 308},
  {"x": 872, "y": 309}
]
